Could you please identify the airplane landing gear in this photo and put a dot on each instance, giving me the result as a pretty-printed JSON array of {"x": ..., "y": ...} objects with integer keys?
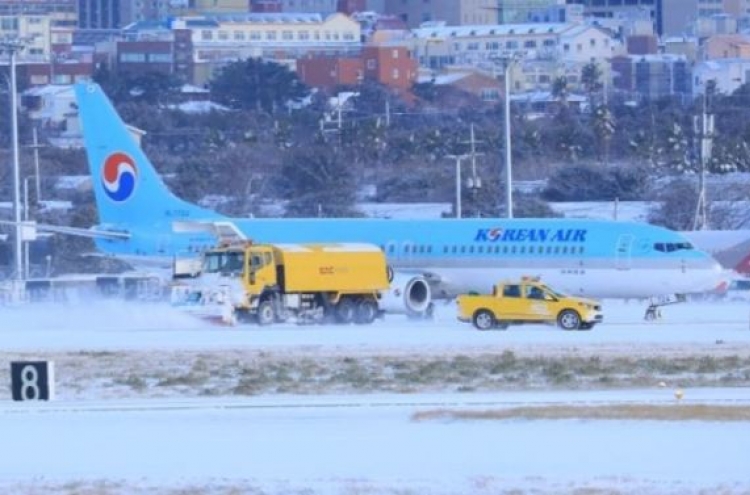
[{"x": 653, "y": 311}]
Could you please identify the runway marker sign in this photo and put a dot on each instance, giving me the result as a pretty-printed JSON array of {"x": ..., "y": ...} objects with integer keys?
[{"x": 32, "y": 380}]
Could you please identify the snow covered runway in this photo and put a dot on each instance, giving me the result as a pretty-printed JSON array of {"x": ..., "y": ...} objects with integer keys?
[
  {"x": 149, "y": 403},
  {"x": 325, "y": 444}
]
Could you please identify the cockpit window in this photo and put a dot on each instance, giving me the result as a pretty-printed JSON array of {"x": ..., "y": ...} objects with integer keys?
[{"x": 670, "y": 247}]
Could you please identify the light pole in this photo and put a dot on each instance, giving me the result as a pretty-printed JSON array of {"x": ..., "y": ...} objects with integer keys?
[
  {"x": 11, "y": 47},
  {"x": 508, "y": 61},
  {"x": 508, "y": 163}
]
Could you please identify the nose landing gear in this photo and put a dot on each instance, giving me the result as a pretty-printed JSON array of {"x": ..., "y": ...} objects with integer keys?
[{"x": 653, "y": 311}]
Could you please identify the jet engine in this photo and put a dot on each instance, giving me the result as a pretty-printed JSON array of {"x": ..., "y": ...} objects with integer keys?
[{"x": 408, "y": 294}]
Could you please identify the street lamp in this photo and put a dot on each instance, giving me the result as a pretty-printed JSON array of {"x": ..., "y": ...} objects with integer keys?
[
  {"x": 11, "y": 47},
  {"x": 508, "y": 163},
  {"x": 508, "y": 61}
]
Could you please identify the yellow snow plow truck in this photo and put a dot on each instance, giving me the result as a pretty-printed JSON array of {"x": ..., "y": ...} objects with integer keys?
[{"x": 267, "y": 283}]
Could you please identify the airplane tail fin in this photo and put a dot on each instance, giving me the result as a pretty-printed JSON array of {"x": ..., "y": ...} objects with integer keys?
[{"x": 127, "y": 188}]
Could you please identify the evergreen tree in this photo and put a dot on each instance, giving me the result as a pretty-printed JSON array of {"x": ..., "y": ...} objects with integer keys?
[{"x": 258, "y": 85}]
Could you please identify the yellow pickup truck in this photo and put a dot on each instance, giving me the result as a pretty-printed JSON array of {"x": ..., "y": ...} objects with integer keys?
[{"x": 527, "y": 301}]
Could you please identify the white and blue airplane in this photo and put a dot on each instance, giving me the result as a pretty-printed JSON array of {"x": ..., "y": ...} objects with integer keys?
[{"x": 141, "y": 220}]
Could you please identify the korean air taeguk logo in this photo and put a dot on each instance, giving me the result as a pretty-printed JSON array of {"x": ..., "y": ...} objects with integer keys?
[{"x": 119, "y": 175}]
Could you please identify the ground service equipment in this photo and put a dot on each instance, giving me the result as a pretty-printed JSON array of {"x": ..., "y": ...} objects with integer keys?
[
  {"x": 527, "y": 301},
  {"x": 266, "y": 283}
]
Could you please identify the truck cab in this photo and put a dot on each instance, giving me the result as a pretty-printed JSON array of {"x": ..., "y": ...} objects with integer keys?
[{"x": 527, "y": 301}]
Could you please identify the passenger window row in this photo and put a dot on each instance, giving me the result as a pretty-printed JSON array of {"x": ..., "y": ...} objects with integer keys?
[{"x": 505, "y": 249}]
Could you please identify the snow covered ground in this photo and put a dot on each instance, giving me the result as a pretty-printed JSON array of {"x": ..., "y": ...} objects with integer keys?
[
  {"x": 100, "y": 439},
  {"x": 114, "y": 325}
]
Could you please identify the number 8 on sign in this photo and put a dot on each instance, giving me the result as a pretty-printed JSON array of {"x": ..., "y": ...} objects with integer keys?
[
  {"x": 29, "y": 383},
  {"x": 32, "y": 380}
]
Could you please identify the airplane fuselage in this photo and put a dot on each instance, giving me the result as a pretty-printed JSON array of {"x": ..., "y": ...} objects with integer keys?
[{"x": 592, "y": 258}]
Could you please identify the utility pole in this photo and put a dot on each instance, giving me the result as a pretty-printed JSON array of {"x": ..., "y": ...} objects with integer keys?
[
  {"x": 473, "y": 182},
  {"x": 37, "y": 176},
  {"x": 458, "y": 159},
  {"x": 12, "y": 47},
  {"x": 704, "y": 128}
]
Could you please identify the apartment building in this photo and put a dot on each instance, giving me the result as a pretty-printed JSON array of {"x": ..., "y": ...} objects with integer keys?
[
  {"x": 326, "y": 7},
  {"x": 142, "y": 10},
  {"x": 665, "y": 20},
  {"x": 322, "y": 7},
  {"x": 48, "y": 56},
  {"x": 390, "y": 65},
  {"x": 652, "y": 76},
  {"x": 677, "y": 17},
  {"x": 224, "y": 6},
  {"x": 99, "y": 14},
  {"x": 518, "y": 11},
  {"x": 284, "y": 37},
  {"x": 387, "y": 64},
  {"x": 728, "y": 74},
  {"x": 115, "y": 14},
  {"x": 727, "y": 46},
  {"x": 34, "y": 30},
  {"x": 149, "y": 46},
  {"x": 611, "y": 8},
  {"x": 481, "y": 45},
  {"x": 37, "y": 7},
  {"x": 703, "y": 17},
  {"x": 454, "y": 13},
  {"x": 708, "y": 8}
]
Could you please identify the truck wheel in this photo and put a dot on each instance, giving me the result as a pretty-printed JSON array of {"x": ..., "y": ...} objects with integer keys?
[
  {"x": 569, "y": 320},
  {"x": 346, "y": 310},
  {"x": 483, "y": 319},
  {"x": 367, "y": 311},
  {"x": 266, "y": 314}
]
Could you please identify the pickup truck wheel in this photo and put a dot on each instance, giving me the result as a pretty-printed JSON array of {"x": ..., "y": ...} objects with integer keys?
[
  {"x": 569, "y": 320},
  {"x": 483, "y": 319},
  {"x": 266, "y": 314}
]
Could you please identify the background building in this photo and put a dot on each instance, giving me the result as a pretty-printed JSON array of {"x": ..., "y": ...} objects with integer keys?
[
  {"x": 14, "y": 7},
  {"x": 99, "y": 14},
  {"x": 322, "y": 7},
  {"x": 518, "y": 11},
  {"x": 453, "y": 13}
]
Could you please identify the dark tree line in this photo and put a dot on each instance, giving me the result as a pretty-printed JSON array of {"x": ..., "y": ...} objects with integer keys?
[{"x": 262, "y": 149}]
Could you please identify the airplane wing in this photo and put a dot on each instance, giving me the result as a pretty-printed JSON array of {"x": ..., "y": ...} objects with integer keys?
[{"x": 32, "y": 228}]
